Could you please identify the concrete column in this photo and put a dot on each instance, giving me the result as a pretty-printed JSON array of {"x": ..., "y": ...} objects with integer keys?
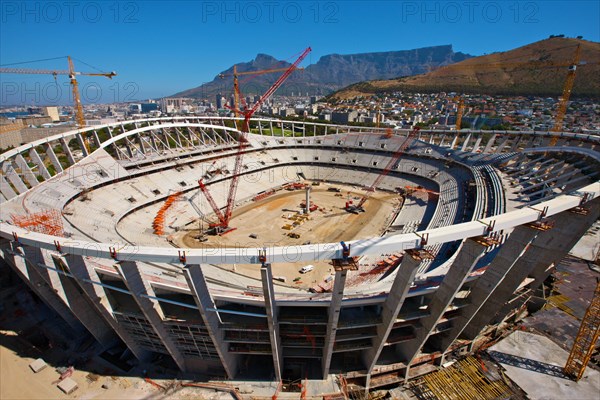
[
  {"x": 501, "y": 145},
  {"x": 271, "y": 308},
  {"x": 130, "y": 272},
  {"x": 576, "y": 226},
  {"x": 6, "y": 189},
  {"x": 197, "y": 283},
  {"x": 476, "y": 145},
  {"x": 13, "y": 177},
  {"x": 466, "y": 143},
  {"x": 79, "y": 303},
  {"x": 547, "y": 249},
  {"x": 508, "y": 255},
  {"x": 26, "y": 171},
  {"x": 35, "y": 157},
  {"x": 82, "y": 145},
  {"x": 333, "y": 318},
  {"x": 515, "y": 143},
  {"x": 24, "y": 265},
  {"x": 85, "y": 275},
  {"x": 53, "y": 158},
  {"x": 468, "y": 256},
  {"x": 67, "y": 150},
  {"x": 391, "y": 307},
  {"x": 489, "y": 144}
]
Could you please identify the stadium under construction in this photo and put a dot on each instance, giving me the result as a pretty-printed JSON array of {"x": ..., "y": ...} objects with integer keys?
[{"x": 346, "y": 250}]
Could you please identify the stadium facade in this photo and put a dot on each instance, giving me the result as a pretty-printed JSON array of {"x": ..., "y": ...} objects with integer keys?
[{"x": 76, "y": 226}]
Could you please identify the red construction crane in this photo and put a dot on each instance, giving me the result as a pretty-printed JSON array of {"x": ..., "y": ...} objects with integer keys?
[
  {"x": 223, "y": 225},
  {"x": 355, "y": 209}
]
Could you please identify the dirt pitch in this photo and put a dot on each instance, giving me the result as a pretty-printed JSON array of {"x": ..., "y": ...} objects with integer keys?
[{"x": 329, "y": 224}]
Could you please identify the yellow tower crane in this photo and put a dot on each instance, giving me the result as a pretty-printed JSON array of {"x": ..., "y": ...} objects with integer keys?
[
  {"x": 586, "y": 339},
  {"x": 564, "y": 100},
  {"x": 79, "y": 119},
  {"x": 236, "y": 83}
]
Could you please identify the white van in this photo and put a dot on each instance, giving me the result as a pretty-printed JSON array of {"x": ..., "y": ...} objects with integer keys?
[{"x": 306, "y": 268}]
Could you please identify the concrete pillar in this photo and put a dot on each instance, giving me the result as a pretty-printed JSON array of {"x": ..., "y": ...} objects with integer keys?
[
  {"x": 465, "y": 261},
  {"x": 85, "y": 275},
  {"x": 130, "y": 272},
  {"x": 80, "y": 304},
  {"x": 197, "y": 283},
  {"x": 6, "y": 189},
  {"x": 501, "y": 145},
  {"x": 575, "y": 226},
  {"x": 35, "y": 157},
  {"x": 67, "y": 150},
  {"x": 508, "y": 255},
  {"x": 332, "y": 322},
  {"x": 476, "y": 145},
  {"x": 53, "y": 158},
  {"x": 547, "y": 249},
  {"x": 82, "y": 145},
  {"x": 489, "y": 144},
  {"x": 391, "y": 307},
  {"x": 515, "y": 143},
  {"x": 466, "y": 143},
  {"x": 26, "y": 171},
  {"x": 271, "y": 308},
  {"x": 23, "y": 260},
  {"x": 13, "y": 177}
]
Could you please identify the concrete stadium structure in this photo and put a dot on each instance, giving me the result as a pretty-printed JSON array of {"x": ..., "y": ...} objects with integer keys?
[{"x": 509, "y": 208}]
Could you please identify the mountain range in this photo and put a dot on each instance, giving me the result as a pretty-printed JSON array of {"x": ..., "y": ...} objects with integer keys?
[
  {"x": 538, "y": 68},
  {"x": 331, "y": 72}
]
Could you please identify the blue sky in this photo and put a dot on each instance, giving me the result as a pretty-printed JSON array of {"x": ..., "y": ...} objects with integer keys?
[{"x": 159, "y": 48}]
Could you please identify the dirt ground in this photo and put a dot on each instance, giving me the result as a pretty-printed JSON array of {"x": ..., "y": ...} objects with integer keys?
[
  {"x": 333, "y": 224},
  {"x": 330, "y": 223}
]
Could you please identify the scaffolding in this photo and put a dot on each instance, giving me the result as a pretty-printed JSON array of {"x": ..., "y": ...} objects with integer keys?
[
  {"x": 48, "y": 222},
  {"x": 585, "y": 341},
  {"x": 464, "y": 380}
]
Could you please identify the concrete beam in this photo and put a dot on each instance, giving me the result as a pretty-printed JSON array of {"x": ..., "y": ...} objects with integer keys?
[
  {"x": 333, "y": 318},
  {"x": 6, "y": 190},
  {"x": 271, "y": 308},
  {"x": 468, "y": 256},
  {"x": 391, "y": 307},
  {"x": 139, "y": 287},
  {"x": 197, "y": 283}
]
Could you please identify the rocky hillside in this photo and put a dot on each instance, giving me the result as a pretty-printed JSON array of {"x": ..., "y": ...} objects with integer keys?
[
  {"x": 539, "y": 68},
  {"x": 331, "y": 72}
]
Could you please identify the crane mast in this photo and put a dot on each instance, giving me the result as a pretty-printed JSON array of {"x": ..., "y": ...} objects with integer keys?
[
  {"x": 390, "y": 165},
  {"x": 564, "y": 101},
  {"x": 79, "y": 118},
  {"x": 224, "y": 218}
]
